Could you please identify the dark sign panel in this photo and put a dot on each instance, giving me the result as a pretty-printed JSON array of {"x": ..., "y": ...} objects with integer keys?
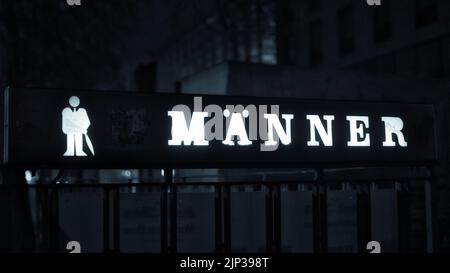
[{"x": 62, "y": 128}]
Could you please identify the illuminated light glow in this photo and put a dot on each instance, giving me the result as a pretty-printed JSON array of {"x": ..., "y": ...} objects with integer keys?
[
  {"x": 357, "y": 131},
  {"x": 236, "y": 128},
  {"x": 275, "y": 124},
  {"x": 325, "y": 135},
  {"x": 393, "y": 126},
  {"x": 182, "y": 134},
  {"x": 28, "y": 176},
  {"x": 126, "y": 173}
]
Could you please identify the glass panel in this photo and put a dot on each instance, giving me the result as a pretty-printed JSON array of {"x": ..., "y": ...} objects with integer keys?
[
  {"x": 296, "y": 219},
  {"x": 196, "y": 219},
  {"x": 418, "y": 240},
  {"x": 342, "y": 224},
  {"x": 140, "y": 221},
  {"x": 5, "y": 214},
  {"x": 384, "y": 218},
  {"x": 248, "y": 221}
]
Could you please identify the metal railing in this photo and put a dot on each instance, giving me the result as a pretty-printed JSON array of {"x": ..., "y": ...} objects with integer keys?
[{"x": 223, "y": 191}]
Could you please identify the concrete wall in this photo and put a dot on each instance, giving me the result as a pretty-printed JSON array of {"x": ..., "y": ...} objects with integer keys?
[{"x": 211, "y": 81}]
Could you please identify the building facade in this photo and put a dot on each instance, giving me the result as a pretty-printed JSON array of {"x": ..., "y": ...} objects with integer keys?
[
  {"x": 406, "y": 38},
  {"x": 234, "y": 31}
]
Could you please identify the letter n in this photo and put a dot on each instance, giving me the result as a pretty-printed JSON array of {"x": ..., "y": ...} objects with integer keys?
[{"x": 316, "y": 125}]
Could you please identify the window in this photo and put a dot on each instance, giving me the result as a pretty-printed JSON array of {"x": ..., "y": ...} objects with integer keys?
[
  {"x": 386, "y": 64},
  {"x": 254, "y": 48},
  {"x": 346, "y": 30},
  {"x": 382, "y": 22},
  {"x": 146, "y": 77},
  {"x": 429, "y": 60},
  {"x": 315, "y": 43},
  {"x": 269, "y": 50},
  {"x": 426, "y": 12},
  {"x": 219, "y": 40}
]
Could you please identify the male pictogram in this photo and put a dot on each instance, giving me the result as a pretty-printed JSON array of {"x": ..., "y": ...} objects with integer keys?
[{"x": 75, "y": 122}]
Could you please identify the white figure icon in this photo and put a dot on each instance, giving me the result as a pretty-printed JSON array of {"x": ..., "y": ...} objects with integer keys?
[{"x": 75, "y": 123}]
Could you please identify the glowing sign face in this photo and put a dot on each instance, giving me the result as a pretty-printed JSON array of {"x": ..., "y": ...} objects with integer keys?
[
  {"x": 393, "y": 126},
  {"x": 357, "y": 131},
  {"x": 325, "y": 135},
  {"x": 75, "y": 122},
  {"x": 196, "y": 132},
  {"x": 236, "y": 128}
]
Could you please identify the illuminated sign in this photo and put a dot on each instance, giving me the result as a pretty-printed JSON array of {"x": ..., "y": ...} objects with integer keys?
[{"x": 135, "y": 130}]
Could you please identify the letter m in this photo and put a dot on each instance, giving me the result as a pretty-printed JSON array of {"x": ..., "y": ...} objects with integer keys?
[{"x": 184, "y": 134}]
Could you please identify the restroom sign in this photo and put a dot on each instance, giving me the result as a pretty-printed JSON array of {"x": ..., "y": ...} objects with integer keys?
[{"x": 91, "y": 129}]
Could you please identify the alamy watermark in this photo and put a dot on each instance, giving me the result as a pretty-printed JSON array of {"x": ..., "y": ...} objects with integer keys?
[
  {"x": 373, "y": 2},
  {"x": 73, "y": 2},
  {"x": 189, "y": 127}
]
